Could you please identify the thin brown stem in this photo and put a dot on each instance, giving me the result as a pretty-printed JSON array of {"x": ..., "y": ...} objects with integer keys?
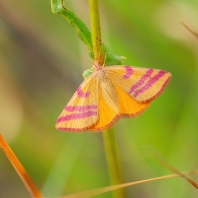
[{"x": 33, "y": 190}]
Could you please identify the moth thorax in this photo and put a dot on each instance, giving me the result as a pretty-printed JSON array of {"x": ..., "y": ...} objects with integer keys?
[
  {"x": 100, "y": 73},
  {"x": 97, "y": 65}
]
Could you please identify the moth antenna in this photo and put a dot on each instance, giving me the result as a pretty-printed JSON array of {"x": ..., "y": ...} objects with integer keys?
[
  {"x": 84, "y": 59},
  {"x": 190, "y": 29},
  {"x": 105, "y": 59},
  {"x": 100, "y": 54}
]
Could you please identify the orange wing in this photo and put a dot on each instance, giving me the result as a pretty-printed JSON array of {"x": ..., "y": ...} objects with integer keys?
[
  {"x": 81, "y": 112},
  {"x": 143, "y": 84},
  {"x": 110, "y": 94},
  {"x": 128, "y": 91},
  {"x": 114, "y": 103}
]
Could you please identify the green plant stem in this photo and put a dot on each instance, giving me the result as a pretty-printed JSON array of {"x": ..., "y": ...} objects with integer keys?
[
  {"x": 113, "y": 161},
  {"x": 95, "y": 31},
  {"x": 109, "y": 139}
]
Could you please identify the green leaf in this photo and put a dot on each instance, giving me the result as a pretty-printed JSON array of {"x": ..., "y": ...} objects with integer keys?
[
  {"x": 88, "y": 72},
  {"x": 84, "y": 33}
]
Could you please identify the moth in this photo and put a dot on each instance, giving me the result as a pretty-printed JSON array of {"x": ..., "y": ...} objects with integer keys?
[{"x": 110, "y": 93}]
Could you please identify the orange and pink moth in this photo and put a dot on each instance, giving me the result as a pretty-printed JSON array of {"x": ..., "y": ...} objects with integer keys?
[{"x": 110, "y": 93}]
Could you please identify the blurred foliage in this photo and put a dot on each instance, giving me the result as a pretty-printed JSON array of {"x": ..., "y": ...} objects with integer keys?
[{"x": 39, "y": 72}]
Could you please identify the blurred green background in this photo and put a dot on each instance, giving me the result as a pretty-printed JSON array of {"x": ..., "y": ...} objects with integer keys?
[{"x": 40, "y": 71}]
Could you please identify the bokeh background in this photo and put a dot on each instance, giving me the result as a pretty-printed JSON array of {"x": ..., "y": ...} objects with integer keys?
[{"x": 40, "y": 71}]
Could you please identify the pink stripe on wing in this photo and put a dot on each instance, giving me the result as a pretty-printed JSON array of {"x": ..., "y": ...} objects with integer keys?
[
  {"x": 82, "y": 94},
  {"x": 150, "y": 82},
  {"x": 129, "y": 72},
  {"x": 141, "y": 81},
  {"x": 76, "y": 116},
  {"x": 80, "y": 108}
]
